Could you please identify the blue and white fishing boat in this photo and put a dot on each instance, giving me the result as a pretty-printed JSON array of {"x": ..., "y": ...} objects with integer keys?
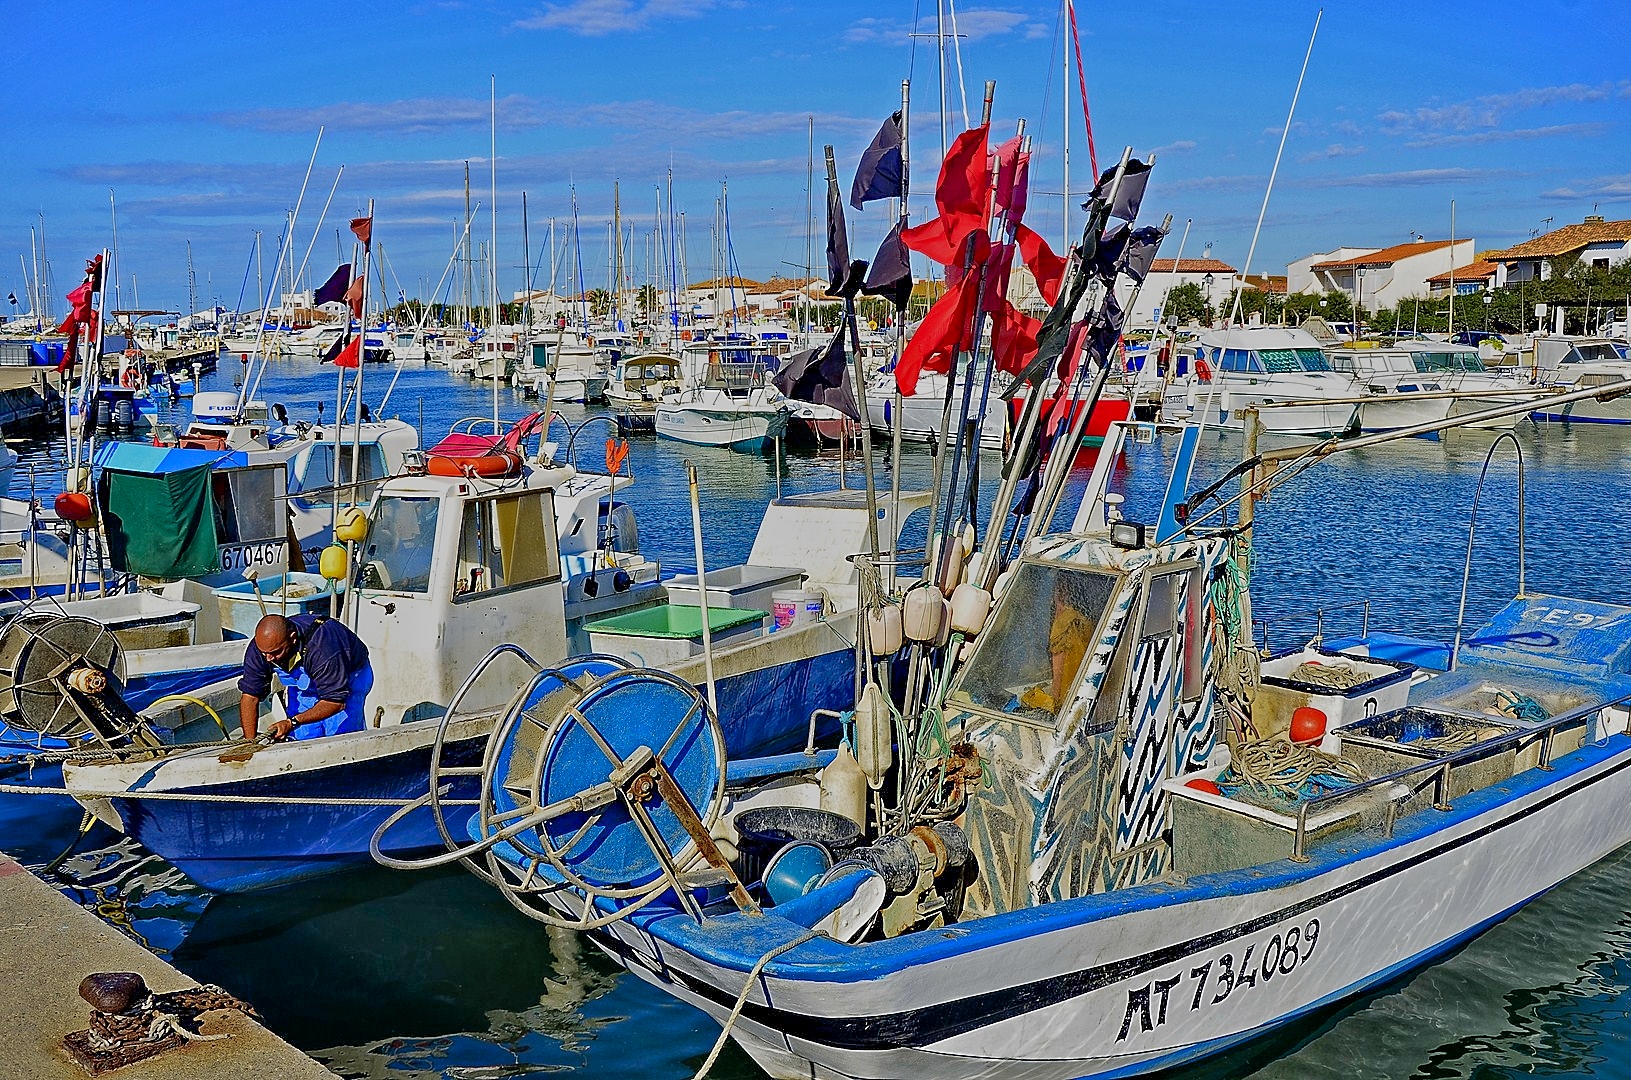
[{"x": 1111, "y": 845}]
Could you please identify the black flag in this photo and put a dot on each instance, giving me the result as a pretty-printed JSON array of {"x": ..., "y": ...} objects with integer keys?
[
  {"x": 843, "y": 277},
  {"x": 1139, "y": 254},
  {"x": 881, "y": 174},
  {"x": 1129, "y": 194},
  {"x": 332, "y": 291},
  {"x": 13, "y": 299},
  {"x": 891, "y": 274},
  {"x": 820, "y": 376}
]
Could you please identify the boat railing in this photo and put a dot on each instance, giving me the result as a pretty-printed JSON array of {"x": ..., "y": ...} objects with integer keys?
[
  {"x": 1318, "y": 615},
  {"x": 1437, "y": 773}
]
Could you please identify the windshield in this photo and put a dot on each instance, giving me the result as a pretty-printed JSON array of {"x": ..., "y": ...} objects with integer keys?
[
  {"x": 1027, "y": 662},
  {"x": 1596, "y": 350},
  {"x": 316, "y": 472},
  {"x": 401, "y": 539}
]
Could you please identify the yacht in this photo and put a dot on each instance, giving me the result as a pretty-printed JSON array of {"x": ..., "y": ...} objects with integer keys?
[{"x": 1263, "y": 365}]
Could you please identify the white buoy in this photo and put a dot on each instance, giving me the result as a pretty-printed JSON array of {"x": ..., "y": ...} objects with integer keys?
[
  {"x": 884, "y": 630},
  {"x": 874, "y": 734},
  {"x": 923, "y": 615},
  {"x": 970, "y": 605},
  {"x": 844, "y": 787},
  {"x": 952, "y": 564}
]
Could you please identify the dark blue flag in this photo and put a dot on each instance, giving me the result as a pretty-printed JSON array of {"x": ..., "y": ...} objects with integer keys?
[
  {"x": 881, "y": 174},
  {"x": 820, "y": 376},
  {"x": 333, "y": 290},
  {"x": 891, "y": 273}
]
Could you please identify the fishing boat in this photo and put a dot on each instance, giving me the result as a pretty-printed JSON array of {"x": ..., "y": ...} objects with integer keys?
[
  {"x": 735, "y": 407},
  {"x": 1249, "y": 365},
  {"x": 641, "y": 381},
  {"x": 1121, "y": 854},
  {"x": 1095, "y": 833}
]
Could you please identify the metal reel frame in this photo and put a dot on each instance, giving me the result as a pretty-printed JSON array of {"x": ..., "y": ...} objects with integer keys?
[
  {"x": 40, "y": 659},
  {"x": 630, "y": 781}
]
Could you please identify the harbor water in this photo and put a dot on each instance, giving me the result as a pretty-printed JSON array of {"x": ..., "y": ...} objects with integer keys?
[{"x": 382, "y": 974}]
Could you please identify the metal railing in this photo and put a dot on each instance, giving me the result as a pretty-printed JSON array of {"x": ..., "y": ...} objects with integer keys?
[{"x": 1437, "y": 773}]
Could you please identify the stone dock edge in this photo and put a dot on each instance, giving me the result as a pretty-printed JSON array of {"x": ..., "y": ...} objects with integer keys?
[{"x": 48, "y": 944}]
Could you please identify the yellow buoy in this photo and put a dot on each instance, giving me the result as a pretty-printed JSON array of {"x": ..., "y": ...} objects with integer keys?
[
  {"x": 352, "y": 527},
  {"x": 332, "y": 563}
]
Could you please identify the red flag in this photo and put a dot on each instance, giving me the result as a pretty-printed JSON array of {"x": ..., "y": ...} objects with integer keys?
[
  {"x": 350, "y": 355},
  {"x": 353, "y": 297},
  {"x": 945, "y": 331},
  {"x": 1012, "y": 180},
  {"x": 364, "y": 228},
  {"x": 81, "y": 315},
  {"x": 1046, "y": 267},
  {"x": 1013, "y": 338},
  {"x": 960, "y": 196}
]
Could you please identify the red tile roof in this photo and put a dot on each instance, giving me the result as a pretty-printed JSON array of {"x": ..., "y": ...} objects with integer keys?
[
  {"x": 1192, "y": 266},
  {"x": 1384, "y": 256},
  {"x": 1482, "y": 270},
  {"x": 1568, "y": 238},
  {"x": 1269, "y": 283}
]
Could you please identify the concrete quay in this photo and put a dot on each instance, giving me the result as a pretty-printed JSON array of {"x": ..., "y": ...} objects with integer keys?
[{"x": 48, "y": 944}]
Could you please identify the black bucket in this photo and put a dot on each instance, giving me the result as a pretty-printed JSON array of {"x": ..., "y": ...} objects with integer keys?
[{"x": 765, "y": 830}]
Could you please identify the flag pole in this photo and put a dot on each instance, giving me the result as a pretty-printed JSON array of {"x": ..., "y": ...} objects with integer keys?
[
  {"x": 835, "y": 200},
  {"x": 900, "y": 333},
  {"x": 362, "y": 353}
]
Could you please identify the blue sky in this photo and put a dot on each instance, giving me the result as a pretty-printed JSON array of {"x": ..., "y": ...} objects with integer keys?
[{"x": 205, "y": 115}]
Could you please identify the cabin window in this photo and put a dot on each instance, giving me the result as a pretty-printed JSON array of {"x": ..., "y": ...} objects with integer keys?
[
  {"x": 1239, "y": 360},
  {"x": 1028, "y": 660},
  {"x": 1194, "y": 681},
  {"x": 317, "y": 476},
  {"x": 247, "y": 506},
  {"x": 507, "y": 542},
  {"x": 401, "y": 540}
]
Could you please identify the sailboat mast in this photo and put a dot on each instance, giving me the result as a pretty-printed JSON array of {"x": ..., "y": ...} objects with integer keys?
[
  {"x": 809, "y": 233},
  {"x": 1064, "y": 116},
  {"x": 617, "y": 258},
  {"x": 465, "y": 291},
  {"x": 492, "y": 213}
]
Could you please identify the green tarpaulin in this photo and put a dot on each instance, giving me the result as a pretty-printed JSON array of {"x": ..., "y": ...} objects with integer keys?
[{"x": 160, "y": 526}]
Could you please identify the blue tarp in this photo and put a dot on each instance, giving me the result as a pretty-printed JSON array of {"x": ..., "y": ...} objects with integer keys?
[{"x": 135, "y": 457}]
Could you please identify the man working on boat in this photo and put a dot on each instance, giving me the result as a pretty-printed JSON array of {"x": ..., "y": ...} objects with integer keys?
[{"x": 324, "y": 669}]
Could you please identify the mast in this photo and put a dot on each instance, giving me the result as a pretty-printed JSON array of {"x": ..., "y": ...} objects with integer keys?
[
  {"x": 492, "y": 214},
  {"x": 617, "y": 258},
  {"x": 467, "y": 266},
  {"x": 1064, "y": 115}
]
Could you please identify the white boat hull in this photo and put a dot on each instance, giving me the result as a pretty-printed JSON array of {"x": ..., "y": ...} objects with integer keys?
[
  {"x": 1138, "y": 989},
  {"x": 719, "y": 427}
]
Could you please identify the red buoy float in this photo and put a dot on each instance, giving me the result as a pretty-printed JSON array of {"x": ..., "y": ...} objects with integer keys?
[
  {"x": 74, "y": 506},
  {"x": 1200, "y": 783},
  {"x": 1307, "y": 726}
]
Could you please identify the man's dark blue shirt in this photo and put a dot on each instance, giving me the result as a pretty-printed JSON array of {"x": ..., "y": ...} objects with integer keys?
[{"x": 328, "y": 652}]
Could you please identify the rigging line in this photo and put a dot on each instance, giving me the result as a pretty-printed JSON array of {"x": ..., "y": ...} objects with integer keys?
[
  {"x": 957, "y": 51},
  {"x": 1262, "y": 212},
  {"x": 1081, "y": 78},
  {"x": 911, "y": 48}
]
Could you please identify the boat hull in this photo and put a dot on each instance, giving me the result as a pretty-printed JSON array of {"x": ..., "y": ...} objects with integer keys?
[
  {"x": 736, "y": 430},
  {"x": 1150, "y": 978},
  {"x": 251, "y": 840}
]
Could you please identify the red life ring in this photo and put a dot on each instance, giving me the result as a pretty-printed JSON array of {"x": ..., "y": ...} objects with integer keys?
[
  {"x": 130, "y": 378},
  {"x": 1203, "y": 370},
  {"x": 493, "y": 465}
]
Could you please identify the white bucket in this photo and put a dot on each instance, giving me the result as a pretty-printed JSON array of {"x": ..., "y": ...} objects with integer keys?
[{"x": 793, "y": 607}]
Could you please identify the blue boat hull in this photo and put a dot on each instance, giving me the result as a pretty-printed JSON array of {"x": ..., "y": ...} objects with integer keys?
[{"x": 239, "y": 847}]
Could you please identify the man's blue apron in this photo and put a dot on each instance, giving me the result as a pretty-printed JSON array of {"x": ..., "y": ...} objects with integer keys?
[{"x": 299, "y": 698}]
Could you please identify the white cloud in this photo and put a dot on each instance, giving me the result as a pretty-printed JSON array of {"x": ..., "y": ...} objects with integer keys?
[
  {"x": 1489, "y": 110},
  {"x": 1602, "y": 189},
  {"x": 411, "y": 116},
  {"x": 596, "y": 18},
  {"x": 973, "y": 25},
  {"x": 1478, "y": 138},
  {"x": 1181, "y": 146},
  {"x": 1403, "y": 178},
  {"x": 1335, "y": 150}
]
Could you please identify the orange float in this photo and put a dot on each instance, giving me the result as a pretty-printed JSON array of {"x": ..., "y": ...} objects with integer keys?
[{"x": 493, "y": 465}]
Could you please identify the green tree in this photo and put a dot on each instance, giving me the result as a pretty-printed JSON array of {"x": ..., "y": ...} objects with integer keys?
[{"x": 1187, "y": 302}]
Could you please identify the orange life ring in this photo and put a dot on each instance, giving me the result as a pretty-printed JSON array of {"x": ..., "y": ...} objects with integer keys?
[
  {"x": 1203, "y": 370},
  {"x": 493, "y": 465},
  {"x": 129, "y": 378}
]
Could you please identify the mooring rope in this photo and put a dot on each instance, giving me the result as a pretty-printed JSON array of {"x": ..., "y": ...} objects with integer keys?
[
  {"x": 742, "y": 998},
  {"x": 1282, "y": 768},
  {"x": 186, "y": 796},
  {"x": 1329, "y": 676}
]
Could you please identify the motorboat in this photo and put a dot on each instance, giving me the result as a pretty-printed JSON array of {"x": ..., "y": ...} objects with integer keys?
[
  {"x": 1579, "y": 364},
  {"x": 1461, "y": 368},
  {"x": 640, "y": 381},
  {"x": 1397, "y": 394},
  {"x": 1278, "y": 366},
  {"x": 735, "y": 407}
]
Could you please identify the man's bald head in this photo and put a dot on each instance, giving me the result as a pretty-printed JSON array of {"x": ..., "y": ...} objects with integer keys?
[{"x": 274, "y": 635}]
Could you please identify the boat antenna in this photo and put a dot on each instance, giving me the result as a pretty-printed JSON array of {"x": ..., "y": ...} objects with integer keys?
[{"x": 1234, "y": 313}]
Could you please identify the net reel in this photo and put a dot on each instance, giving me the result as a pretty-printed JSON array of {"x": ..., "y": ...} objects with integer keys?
[
  {"x": 59, "y": 678},
  {"x": 598, "y": 789}
]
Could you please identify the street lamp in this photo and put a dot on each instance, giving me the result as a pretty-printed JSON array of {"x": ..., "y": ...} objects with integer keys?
[{"x": 1489, "y": 298}]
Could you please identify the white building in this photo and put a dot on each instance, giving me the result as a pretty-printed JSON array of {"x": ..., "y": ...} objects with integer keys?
[
  {"x": 1300, "y": 276},
  {"x": 1593, "y": 242},
  {"x": 1383, "y": 277},
  {"x": 1216, "y": 280}
]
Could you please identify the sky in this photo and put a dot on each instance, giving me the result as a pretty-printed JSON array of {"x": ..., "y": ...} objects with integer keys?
[{"x": 193, "y": 124}]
